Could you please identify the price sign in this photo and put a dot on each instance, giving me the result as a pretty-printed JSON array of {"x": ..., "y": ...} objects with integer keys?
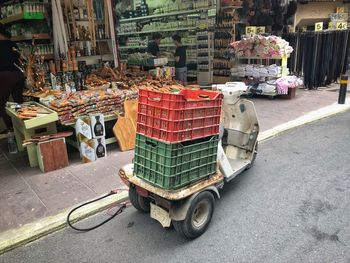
[
  {"x": 304, "y": 29},
  {"x": 250, "y": 30},
  {"x": 342, "y": 25},
  {"x": 330, "y": 25},
  {"x": 260, "y": 30},
  {"x": 319, "y": 26},
  {"x": 340, "y": 9}
]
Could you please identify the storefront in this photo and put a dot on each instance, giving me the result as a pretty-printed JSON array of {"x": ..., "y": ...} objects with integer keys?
[{"x": 83, "y": 59}]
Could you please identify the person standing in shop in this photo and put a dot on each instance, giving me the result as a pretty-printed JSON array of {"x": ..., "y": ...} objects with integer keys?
[
  {"x": 11, "y": 78},
  {"x": 153, "y": 45},
  {"x": 180, "y": 60}
]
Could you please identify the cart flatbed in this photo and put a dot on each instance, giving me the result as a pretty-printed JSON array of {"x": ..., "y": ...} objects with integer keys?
[{"x": 173, "y": 195}]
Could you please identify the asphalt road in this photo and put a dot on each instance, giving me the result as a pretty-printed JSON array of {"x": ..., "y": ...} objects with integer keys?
[{"x": 292, "y": 206}]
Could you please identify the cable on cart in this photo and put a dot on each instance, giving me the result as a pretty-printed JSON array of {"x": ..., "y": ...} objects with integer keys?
[{"x": 119, "y": 211}]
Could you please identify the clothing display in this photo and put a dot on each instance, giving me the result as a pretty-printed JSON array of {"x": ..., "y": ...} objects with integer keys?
[
  {"x": 256, "y": 71},
  {"x": 321, "y": 57},
  {"x": 283, "y": 84},
  {"x": 261, "y": 46}
]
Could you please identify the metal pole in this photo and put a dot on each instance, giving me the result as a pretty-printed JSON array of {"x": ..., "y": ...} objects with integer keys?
[{"x": 343, "y": 89}]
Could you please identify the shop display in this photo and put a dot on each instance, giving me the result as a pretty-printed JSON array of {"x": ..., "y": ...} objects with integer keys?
[
  {"x": 286, "y": 83},
  {"x": 74, "y": 105},
  {"x": 225, "y": 33},
  {"x": 261, "y": 46},
  {"x": 29, "y": 10},
  {"x": 29, "y": 111},
  {"x": 320, "y": 57},
  {"x": 256, "y": 71},
  {"x": 183, "y": 17},
  {"x": 205, "y": 55}
]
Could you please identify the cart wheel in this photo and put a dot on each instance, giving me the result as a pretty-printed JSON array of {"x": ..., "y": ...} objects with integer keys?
[
  {"x": 272, "y": 97},
  {"x": 198, "y": 216},
  {"x": 254, "y": 156},
  {"x": 139, "y": 202}
]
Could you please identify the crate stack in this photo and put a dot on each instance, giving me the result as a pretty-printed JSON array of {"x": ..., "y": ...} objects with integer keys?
[{"x": 177, "y": 137}]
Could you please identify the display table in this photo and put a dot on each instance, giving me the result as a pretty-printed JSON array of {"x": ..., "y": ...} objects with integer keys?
[{"x": 26, "y": 129}]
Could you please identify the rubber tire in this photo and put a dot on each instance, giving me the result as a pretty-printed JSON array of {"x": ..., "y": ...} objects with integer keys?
[
  {"x": 254, "y": 156},
  {"x": 139, "y": 202},
  {"x": 185, "y": 227}
]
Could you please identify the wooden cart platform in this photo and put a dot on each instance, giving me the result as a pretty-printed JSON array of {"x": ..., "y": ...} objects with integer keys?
[{"x": 127, "y": 175}]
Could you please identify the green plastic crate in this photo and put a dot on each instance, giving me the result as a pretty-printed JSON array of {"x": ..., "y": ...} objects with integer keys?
[{"x": 172, "y": 166}]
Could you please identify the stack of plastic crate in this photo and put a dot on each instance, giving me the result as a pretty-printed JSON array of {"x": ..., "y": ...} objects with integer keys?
[{"x": 177, "y": 137}]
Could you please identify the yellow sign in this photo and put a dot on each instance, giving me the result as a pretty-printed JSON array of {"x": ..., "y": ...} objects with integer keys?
[
  {"x": 260, "y": 30},
  {"x": 342, "y": 25},
  {"x": 250, "y": 30},
  {"x": 340, "y": 10},
  {"x": 304, "y": 29},
  {"x": 319, "y": 26}
]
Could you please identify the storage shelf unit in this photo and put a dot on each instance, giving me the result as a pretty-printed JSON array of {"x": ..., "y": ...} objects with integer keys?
[
  {"x": 34, "y": 36},
  {"x": 184, "y": 12},
  {"x": 203, "y": 18},
  {"x": 161, "y": 46},
  {"x": 157, "y": 30},
  {"x": 225, "y": 33},
  {"x": 22, "y": 16}
]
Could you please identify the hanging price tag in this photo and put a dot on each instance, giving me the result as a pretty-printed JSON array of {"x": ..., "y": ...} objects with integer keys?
[
  {"x": 319, "y": 26},
  {"x": 330, "y": 25},
  {"x": 340, "y": 9},
  {"x": 342, "y": 25},
  {"x": 250, "y": 30},
  {"x": 260, "y": 30}
]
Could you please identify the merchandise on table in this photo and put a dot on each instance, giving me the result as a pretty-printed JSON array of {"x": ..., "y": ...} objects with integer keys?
[
  {"x": 81, "y": 103},
  {"x": 28, "y": 111},
  {"x": 285, "y": 83},
  {"x": 256, "y": 71},
  {"x": 261, "y": 46}
]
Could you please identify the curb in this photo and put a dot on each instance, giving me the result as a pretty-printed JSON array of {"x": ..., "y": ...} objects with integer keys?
[
  {"x": 303, "y": 120},
  {"x": 20, "y": 236},
  {"x": 17, "y": 237}
]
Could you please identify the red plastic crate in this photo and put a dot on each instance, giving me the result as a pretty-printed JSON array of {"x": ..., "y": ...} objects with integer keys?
[{"x": 174, "y": 118}]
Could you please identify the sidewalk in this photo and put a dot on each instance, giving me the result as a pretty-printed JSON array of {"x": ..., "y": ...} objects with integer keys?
[{"x": 27, "y": 195}]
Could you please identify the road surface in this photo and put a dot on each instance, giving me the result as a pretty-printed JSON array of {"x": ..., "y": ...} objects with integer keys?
[{"x": 292, "y": 206}]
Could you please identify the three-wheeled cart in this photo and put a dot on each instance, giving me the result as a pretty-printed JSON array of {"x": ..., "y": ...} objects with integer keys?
[{"x": 190, "y": 208}]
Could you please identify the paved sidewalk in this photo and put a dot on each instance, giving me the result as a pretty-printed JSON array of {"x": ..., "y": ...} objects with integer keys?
[{"x": 26, "y": 194}]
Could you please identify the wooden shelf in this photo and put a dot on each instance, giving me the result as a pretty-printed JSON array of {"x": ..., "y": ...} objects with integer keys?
[
  {"x": 102, "y": 57},
  {"x": 15, "y": 18},
  {"x": 231, "y": 7},
  {"x": 276, "y": 58},
  {"x": 183, "y": 12},
  {"x": 157, "y": 30},
  {"x": 34, "y": 36}
]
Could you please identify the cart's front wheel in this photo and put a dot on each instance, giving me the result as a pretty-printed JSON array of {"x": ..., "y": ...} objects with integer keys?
[
  {"x": 139, "y": 202},
  {"x": 198, "y": 216}
]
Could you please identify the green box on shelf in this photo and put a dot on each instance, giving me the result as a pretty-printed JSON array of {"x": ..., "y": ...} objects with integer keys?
[
  {"x": 172, "y": 166},
  {"x": 31, "y": 15}
]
